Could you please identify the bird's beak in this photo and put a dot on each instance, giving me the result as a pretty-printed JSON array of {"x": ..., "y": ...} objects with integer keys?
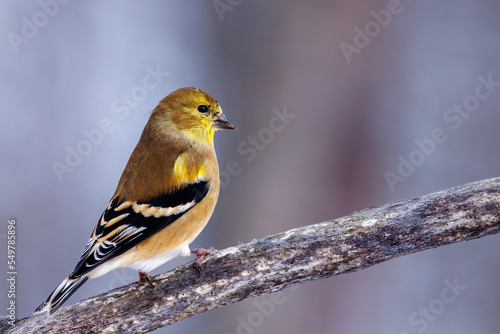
[{"x": 224, "y": 123}]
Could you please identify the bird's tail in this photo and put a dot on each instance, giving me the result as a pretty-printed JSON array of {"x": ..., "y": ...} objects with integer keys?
[{"x": 61, "y": 294}]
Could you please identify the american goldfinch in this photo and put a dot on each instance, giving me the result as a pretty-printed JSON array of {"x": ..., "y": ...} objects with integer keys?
[{"x": 164, "y": 198}]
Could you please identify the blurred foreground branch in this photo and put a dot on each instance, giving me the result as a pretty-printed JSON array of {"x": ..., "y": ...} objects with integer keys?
[{"x": 308, "y": 253}]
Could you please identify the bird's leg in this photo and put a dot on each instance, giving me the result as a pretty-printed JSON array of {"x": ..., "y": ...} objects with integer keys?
[
  {"x": 200, "y": 255},
  {"x": 145, "y": 277}
]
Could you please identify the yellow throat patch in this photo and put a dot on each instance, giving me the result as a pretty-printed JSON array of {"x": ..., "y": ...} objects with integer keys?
[{"x": 183, "y": 174}]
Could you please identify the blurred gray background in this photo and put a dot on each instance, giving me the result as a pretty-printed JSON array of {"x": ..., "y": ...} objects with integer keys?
[{"x": 360, "y": 101}]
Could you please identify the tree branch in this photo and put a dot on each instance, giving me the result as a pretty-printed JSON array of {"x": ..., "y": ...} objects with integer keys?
[{"x": 276, "y": 262}]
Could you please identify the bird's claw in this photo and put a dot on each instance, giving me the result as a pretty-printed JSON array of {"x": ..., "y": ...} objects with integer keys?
[
  {"x": 145, "y": 277},
  {"x": 200, "y": 255}
]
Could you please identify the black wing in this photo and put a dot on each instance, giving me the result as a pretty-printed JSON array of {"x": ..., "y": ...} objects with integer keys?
[{"x": 124, "y": 224}]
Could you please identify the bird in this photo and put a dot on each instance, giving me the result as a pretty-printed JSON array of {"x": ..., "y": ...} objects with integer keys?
[{"x": 164, "y": 198}]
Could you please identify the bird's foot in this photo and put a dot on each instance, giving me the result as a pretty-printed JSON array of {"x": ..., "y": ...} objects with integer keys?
[
  {"x": 145, "y": 277},
  {"x": 200, "y": 255}
]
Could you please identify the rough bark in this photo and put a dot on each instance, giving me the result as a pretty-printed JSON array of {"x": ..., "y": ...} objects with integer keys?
[{"x": 334, "y": 247}]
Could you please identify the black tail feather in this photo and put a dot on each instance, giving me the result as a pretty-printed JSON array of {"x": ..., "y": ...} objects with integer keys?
[{"x": 61, "y": 294}]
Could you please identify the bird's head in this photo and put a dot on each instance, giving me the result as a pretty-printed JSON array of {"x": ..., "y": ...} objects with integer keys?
[{"x": 194, "y": 113}]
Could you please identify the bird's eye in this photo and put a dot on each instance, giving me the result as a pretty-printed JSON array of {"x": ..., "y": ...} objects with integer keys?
[{"x": 203, "y": 108}]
